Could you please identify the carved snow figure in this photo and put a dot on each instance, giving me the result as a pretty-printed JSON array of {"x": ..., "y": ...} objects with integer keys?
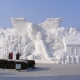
[
  {"x": 33, "y": 29},
  {"x": 37, "y": 49},
  {"x": 57, "y": 41},
  {"x": 40, "y": 48},
  {"x": 59, "y": 49},
  {"x": 59, "y": 46}
]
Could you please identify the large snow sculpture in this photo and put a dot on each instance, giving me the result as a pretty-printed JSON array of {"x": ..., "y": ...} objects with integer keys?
[{"x": 45, "y": 41}]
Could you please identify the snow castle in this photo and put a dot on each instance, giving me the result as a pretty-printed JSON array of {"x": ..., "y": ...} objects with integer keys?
[{"x": 45, "y": 42}]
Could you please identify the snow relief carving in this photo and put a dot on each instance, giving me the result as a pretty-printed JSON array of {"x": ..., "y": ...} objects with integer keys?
[{"x": 45, "y": 41}]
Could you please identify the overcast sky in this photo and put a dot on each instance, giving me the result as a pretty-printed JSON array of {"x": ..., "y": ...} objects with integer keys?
[{"x": 38, "y": 11}]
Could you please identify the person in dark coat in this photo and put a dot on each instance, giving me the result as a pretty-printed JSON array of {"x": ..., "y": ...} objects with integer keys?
[{"x": 17, "y": 56}]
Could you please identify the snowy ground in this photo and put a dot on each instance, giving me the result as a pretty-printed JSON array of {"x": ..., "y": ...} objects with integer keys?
[{"x": 44, "y": 72}]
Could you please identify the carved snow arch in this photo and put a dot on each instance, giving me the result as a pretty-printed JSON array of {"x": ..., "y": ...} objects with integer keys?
[{"x": 73, "y": 50}]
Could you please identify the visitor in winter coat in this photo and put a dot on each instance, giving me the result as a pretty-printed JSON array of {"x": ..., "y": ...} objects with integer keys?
[{"x": 17, "y": 55}]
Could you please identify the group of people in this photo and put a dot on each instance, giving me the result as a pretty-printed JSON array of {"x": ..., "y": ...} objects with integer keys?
[{"x": 17, "y": 55}]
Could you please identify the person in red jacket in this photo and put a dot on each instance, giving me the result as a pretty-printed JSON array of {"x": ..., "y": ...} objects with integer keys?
[{"x": 11, "y": 55}]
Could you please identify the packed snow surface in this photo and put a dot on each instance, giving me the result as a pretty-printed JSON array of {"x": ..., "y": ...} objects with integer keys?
[{"x": 44, "y": 72}]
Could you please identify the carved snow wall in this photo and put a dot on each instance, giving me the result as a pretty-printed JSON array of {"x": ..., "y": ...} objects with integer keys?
[{"x": 73, "y": 50}]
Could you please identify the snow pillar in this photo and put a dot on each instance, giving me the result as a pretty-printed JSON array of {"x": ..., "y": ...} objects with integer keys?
[
  {"x": 72, "y": 59},
  {"x": 67, "y": 59},
  {"x": 77, "y": 59},
  {"x": 62, "y": 60}
]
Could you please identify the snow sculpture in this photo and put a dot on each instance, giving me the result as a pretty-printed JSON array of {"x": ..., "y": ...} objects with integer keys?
[
  {"x": 20, "y": 25},
  {"x": 33, "y": 29},
  {"x": 40, "y": 48},
  {"x": 51, "y": 23},
  {"x": 45, "y": 41}
]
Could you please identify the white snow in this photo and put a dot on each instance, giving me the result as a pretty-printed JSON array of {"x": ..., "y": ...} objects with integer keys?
[{"x": 44, "y": 72}]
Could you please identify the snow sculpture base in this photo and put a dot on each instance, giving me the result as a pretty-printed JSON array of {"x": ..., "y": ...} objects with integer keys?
[{"x": 44, "y": 61}]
